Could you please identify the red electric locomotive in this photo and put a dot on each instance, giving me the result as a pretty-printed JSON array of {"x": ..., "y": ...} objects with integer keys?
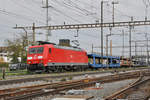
[{"x": 50, "y": 57}]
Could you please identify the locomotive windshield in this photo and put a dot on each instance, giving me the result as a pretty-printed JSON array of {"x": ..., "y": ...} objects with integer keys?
[{"x": 36, "y": 50}]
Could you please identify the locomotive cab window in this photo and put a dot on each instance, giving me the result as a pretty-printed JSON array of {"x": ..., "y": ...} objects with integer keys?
[
  {"x": 32, "y": 50},
  {"x": 40, "y": 50},
  {"x": 36, "y": 50}
]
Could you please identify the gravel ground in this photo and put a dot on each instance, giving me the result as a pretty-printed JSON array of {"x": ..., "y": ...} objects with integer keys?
[
  {"x": 140, "y": 93},
  {"x": 107, "y": 89},
  {"x": 137, "y": 95},
  {"x": 22, "y": 84},
  {"x": 90, "y": 76},
  {"x": 49, "y": 81}
]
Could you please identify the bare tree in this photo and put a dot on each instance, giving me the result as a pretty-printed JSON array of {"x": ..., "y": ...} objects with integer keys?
[{"x": 17, "y": 49}]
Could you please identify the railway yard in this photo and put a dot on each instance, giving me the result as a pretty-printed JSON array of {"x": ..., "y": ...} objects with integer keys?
[
  {"x": 74, "y": 50},
  {"x": 122, "y": 85}
]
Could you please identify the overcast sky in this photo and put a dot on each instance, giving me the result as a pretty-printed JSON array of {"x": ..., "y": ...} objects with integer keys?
[{"x": 25, "y": 12}]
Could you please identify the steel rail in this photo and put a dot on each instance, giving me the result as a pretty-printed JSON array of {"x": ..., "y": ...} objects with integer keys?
[
  {"x": 32, "y": 89},
  {"x": 119, "y": 94},
  {"x": 34, "y": 86},
  {"x": 52, "y": 92}
]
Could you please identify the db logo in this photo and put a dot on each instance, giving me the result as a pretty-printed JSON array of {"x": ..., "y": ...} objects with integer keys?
[{"x": 35, "y": 56}]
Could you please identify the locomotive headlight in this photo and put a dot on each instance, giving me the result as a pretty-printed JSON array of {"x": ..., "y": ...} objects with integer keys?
[
  {"x": 40, "y": 57},
  {"x": 29, "y": 58},
  {"x": 29, "y": 62}
]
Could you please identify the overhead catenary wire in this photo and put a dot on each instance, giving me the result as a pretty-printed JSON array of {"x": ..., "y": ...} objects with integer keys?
[
  {"x": 57, "y": 10},
  {"x": 82, "y": 12},
  {"x": 66, "y": 5},
  {"x": 85, "y": 11},
  {"x": 25, "y": 17},
  {"x": 17, "y": 15},
  {"x": 29, "y": 10},
  {"x": 77, "y": 13},
  {"x": 53, "y": 11},
  {"x": 73, "y": 4},
  {"x": 23, "y": 6},
  {"x": 62, "y": 4}
]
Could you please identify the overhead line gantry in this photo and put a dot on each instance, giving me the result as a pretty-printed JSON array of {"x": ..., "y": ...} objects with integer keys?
[{"x": 94, "y": 25}]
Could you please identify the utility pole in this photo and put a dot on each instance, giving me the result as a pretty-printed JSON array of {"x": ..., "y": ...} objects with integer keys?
[
  {"x": 107, "y": 47},
  {"x": 141, "y": 52},
  {"x": 147, "y": 53},
  {"x": 135, "y": 48},
  {"x": 130, "y": 31},
  {"x": 123, "y": 44},
  {"x": 146, "y": 34},
  {"x": 33, "y": 34},
  {"x": 26, "y": 36},
  {"x": 102, "y": 2},
  {"x": 113, "y": 14},
  {"x": 130, "y": 54},
  {"x": 92, "y": 48},
  {"x": 136, "y": 56},
  {"x": 47, "y": 19},
  {"x": 110, "y": 47},
  {"x": 107, "y": 43},
  {"x": 108, "y": 38}
]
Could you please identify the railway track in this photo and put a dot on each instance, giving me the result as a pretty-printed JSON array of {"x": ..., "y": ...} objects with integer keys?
[
  {"x": 139, "y": 90},
  {"x": 14, "y": 81},
  {"x": 35, "y": 78},
  {"x": 23, "y": 93}
]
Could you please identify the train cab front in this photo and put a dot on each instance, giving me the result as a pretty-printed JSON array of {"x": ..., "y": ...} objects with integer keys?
[{"x": 35, "y": 59}]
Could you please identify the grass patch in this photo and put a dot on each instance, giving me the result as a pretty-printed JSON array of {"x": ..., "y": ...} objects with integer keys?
[
  {"x": 63, "y": 79},
  {"x": 14, "y": 73}
]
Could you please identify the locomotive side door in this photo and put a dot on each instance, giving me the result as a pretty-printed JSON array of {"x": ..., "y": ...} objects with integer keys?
[{"x": 50, "y": 56}]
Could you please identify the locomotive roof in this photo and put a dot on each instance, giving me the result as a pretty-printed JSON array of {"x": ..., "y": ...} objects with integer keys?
[
  {"x": 60, "y": 47},
  {"x": 70, "y": 48}
]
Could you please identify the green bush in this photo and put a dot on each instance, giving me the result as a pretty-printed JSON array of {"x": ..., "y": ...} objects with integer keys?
[
  {"x": 63, "y": 79},
  {"x": 70, "y": 77}
]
